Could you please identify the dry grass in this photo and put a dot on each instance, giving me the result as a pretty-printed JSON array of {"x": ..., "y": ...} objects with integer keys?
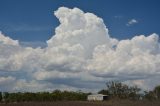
[{"x": 85, "y": 103}]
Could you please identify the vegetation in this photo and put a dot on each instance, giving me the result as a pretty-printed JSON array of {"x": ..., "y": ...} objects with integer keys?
[
  {"x": 0, "y": 96},
  {"x": 119, "y": 90},
  {"x": 157, "y": 91},
  {"x": 56, "y": 95},
  {"x": 116, "y": 91}
]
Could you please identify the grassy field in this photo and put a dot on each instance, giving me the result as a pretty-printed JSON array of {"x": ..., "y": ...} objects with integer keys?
[{"x": 85, "y": 103}]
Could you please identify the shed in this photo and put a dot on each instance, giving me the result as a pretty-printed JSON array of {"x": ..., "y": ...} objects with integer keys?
[{"x": 97, "y": 97}]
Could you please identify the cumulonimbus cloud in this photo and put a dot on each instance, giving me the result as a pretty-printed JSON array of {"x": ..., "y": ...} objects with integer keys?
[{"x": 81, "y": 55}]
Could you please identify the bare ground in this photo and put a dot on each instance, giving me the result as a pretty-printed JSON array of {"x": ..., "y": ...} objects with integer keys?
[{"x": 86, "y": 103}]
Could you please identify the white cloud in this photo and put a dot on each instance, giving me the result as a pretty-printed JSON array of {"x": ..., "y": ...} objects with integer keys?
[
  {"x": 81, "y": 55},
  {"x": 131, "y": 22},
  {"x": 7, "y": 40},
  {"x": 33, "y": 44}
]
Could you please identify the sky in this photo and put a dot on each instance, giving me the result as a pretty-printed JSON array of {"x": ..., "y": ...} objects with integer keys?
[
  {"x": 28, "y": 20},
  {"x": 78, "y": 44}
]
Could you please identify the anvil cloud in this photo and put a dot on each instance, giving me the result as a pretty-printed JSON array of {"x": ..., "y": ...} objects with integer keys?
[{"x": 81, "y": 55}]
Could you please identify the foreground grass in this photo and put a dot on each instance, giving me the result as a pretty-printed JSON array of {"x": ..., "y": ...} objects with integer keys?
[{"x": 86, "y": 103}]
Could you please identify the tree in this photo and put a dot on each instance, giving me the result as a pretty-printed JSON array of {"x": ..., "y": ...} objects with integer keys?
[
  {"x": 149, "y": 95},
  {"x": 157, "y": 91},
  {"x": 122, "y": 91},
  {"x": 0, "y": 96},
  {"x": 104, "y": 92}
]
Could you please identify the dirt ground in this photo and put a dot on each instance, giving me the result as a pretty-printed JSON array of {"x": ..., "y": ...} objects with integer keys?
[{"x": 86, "y": 103}]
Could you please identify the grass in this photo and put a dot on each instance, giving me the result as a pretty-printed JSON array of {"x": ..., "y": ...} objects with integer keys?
[{"x": 86, "y": 103}]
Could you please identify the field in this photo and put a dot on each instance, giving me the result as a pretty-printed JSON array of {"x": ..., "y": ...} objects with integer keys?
[{"x": 85, "y": 103}]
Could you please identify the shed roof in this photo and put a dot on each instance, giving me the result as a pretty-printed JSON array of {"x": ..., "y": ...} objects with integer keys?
[{"x": 97, "y": 95}]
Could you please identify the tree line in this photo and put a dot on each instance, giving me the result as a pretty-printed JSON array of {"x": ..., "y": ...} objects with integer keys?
[
  {"x": 114, "y": 89},
  {"x": 56, "y": 95}
]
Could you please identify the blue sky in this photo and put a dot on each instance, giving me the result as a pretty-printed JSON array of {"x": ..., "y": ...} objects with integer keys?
[{"x": 33, "y": 20}]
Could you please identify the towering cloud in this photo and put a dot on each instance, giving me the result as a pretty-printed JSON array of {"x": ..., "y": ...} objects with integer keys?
[
  {"x": 81, "y": 55},
  {"x": 78, "y": 28}
]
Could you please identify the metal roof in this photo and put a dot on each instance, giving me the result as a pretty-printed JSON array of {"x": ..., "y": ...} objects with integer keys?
[{"x": 97, "y": 95}]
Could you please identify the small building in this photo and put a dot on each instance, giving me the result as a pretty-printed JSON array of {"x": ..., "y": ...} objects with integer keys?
[{"x": 97, "y": 97}]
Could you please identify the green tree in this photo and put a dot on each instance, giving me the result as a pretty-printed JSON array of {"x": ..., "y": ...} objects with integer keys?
[
  {"x": 122, "y": 91},
  {"x": 104, "y": 92},
  {"x": 0, "y": 96},
  {"x": 149, "y": 95},
  {"x": 157, "y": 91}
]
